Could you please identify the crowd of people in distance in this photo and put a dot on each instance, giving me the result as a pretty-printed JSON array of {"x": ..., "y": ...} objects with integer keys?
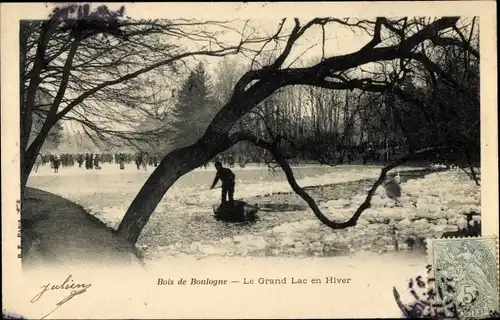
[
  {"x": 228, "y": 159},
  {"x": 94, "y": 160}
]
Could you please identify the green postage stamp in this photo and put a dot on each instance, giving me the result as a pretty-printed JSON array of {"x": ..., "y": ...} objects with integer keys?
[{"x": 466, "y": 272}]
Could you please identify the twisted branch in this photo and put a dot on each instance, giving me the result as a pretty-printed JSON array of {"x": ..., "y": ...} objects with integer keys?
[{"x": 280, "y": 159}]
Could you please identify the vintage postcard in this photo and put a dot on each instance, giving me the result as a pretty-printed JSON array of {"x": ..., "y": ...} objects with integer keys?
[{"x": 249, "y": 160}]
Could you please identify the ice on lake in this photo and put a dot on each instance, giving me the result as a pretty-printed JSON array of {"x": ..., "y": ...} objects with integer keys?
[{"x": 183, "y": 224}]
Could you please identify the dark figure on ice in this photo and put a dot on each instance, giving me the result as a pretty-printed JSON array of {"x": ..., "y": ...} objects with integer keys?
[
  {"x": 96, "y": 161},
  {"x": 138, "y": 160},
  {"x": 80, "y": 160},
  {"x": 122, "y": 162},
  {"x": 87, "y": 161},
  {"x": 57, "y": 163},
  {"x": 226, "y": 176},
  {"x": 145, "y": 161}
]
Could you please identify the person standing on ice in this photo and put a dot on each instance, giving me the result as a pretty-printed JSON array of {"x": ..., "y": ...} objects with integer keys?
[
  {"x": 145, "y": 161},
  {"x": 227, "y": 177},
  {"x": 57, "y": 163},
  {"x": 122, "y": 161},
  {"x": 138, "y": 160}
]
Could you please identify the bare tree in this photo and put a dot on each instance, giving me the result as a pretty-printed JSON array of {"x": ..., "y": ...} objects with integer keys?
[
  {"x": 226, "y": 74},
  {"x": 331, "y": 73},
  {"x": 93, "y": 65}
]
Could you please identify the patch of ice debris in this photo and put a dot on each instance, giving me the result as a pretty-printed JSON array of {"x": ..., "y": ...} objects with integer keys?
[
  {"x": 430, "y": 206},
  {"x": 108, "y": 192}
]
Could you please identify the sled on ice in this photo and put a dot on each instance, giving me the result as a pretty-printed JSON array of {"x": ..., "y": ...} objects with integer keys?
[{"x": 238, "y": 211}]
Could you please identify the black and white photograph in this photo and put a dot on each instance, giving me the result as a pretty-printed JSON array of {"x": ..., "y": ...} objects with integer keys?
[{"x": 348, "y": 140}]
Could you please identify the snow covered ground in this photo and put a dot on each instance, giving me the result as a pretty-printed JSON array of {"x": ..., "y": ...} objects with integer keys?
[{"x": 182, "y": 224}]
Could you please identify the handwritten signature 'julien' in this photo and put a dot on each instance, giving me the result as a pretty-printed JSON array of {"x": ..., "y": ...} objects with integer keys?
[{"x": 68, "y": 284}]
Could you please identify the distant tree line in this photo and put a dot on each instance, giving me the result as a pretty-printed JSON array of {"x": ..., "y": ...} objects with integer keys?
[{"x": 336, "y": 127}]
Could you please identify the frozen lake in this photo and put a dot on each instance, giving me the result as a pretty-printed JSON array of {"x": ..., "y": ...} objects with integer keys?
[
  {"x": 109, "y": 191},
  {"x": 183, "y": 222}
]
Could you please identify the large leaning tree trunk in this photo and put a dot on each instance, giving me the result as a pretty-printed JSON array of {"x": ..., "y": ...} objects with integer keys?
[{"x": 256, "y": 85}]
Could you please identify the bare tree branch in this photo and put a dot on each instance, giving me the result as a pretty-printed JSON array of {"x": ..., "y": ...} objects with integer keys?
[{"x": 272, "y": 147}]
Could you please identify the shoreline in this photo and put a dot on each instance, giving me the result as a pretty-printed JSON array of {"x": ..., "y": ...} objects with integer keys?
[{"x": 55, "y": 231}]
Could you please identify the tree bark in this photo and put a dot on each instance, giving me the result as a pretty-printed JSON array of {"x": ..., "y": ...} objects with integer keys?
[
  {"x": 28, "y": 98},
  {"x": 29, "y": 156}
]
